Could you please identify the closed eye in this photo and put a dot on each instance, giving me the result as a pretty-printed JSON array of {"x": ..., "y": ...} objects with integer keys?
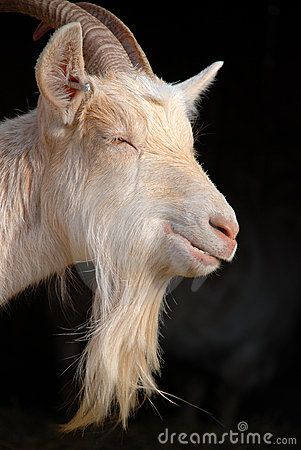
[{"x": 120, "y": 140}]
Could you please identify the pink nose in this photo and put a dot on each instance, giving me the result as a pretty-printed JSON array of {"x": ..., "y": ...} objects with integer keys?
[{"x": 228, "y": 228}]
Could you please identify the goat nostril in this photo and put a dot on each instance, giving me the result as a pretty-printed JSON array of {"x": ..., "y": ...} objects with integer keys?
[
  {"x": 224, "y": 230},
  {"x": 224, "y": 226}
]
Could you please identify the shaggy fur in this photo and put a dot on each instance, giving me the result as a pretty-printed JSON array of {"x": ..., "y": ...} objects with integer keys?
[{"x": 109, "y": 176}]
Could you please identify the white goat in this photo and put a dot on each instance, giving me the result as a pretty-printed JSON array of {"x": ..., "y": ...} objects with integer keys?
[{"x": 104, "y": 170}]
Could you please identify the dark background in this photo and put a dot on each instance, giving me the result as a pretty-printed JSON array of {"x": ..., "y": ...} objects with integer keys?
[{"x": 232, "y": 346}]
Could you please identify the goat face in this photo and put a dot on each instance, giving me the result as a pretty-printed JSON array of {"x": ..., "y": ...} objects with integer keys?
[
  {"x": 146, "y": 179},
  {"x": 140, "y": 188}
]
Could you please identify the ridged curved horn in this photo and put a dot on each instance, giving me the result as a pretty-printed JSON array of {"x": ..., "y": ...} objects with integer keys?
[
  {"x": 102, "y": 50},
  {"x": 122, "y": 33}
]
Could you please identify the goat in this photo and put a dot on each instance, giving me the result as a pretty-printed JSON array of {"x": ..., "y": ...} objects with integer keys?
[{"x": 104, "y": 170}]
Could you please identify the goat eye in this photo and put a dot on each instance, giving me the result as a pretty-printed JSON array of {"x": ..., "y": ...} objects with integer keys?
[{"x": 118, "y": 140}]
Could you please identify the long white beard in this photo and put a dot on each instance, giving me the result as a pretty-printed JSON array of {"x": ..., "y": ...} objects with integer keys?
[{"x": 122, "y": 353}]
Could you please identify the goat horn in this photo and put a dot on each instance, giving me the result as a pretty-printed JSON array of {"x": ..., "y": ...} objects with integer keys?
[
  {"x": 118, "y": 28},
  {"x": 102, "y": 50},
  {"x": 122, "y": 33}
]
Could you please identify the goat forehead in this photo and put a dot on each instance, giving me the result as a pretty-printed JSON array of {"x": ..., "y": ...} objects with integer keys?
[
  {"x": 155, "y": 111},
  {"x": 141, "y": 92}
]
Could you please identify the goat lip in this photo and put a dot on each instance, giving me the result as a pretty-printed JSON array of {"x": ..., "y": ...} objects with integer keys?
[
  {"x": 195, "y": 251},
  {"x": 202, "y": 255}
]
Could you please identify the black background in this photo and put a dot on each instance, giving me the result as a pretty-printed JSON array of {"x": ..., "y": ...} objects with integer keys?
[{"x": 232, "y": 346}]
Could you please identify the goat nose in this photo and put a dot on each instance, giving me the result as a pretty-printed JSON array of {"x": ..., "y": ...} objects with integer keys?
[{"x": 227, "y": 227}]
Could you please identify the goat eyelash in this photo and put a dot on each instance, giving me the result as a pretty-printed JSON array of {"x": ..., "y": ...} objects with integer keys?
[{"x": 118, "y": 140}]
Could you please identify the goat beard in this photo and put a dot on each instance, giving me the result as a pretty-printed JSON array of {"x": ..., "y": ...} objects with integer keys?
[{"x": 122, "y": 353}]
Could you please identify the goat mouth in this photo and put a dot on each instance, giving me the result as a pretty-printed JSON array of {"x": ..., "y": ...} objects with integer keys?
[{"x": 192, "y": 249}]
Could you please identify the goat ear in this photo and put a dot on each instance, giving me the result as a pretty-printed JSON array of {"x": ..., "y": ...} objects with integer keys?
[
  {"x": 195, "y": 86},
  {"x": 60, "y": 71}
]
